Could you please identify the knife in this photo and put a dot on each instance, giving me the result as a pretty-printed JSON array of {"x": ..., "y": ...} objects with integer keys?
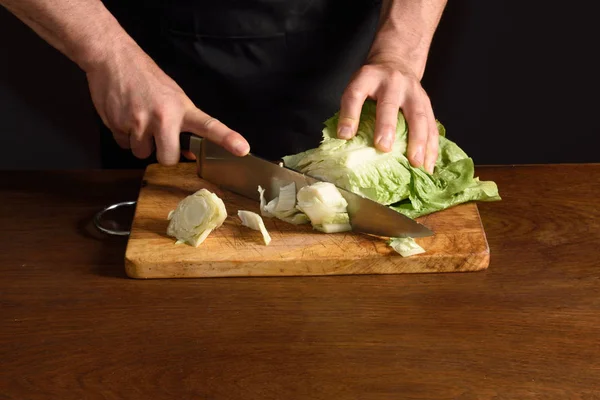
[{"x": 243, "y": 175}]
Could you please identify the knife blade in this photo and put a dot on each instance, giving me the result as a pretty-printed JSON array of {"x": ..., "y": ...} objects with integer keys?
[{"x": 243, "y": 175}]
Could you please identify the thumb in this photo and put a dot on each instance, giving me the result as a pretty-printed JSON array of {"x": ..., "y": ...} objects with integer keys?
[{"x": 199, "y": 123}]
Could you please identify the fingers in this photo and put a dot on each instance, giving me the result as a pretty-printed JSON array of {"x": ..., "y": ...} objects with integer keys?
[
  {"x": 417, "y": 118},
  {"x": 134, "y": 136},
  {"x": 199, "y": 123},
  {"x": 166, "y": 128},
  {"x": 121, "y": 138},
  {"x": 141, "y": 146},
  {"x": 432, "y": 147},
  {"x": 189, "y": 155},
  {"x": 423, "y": 135},
  {"x": 352, "y": 102},
  {"x": 162, "y": 128},
  {"x": 140, "y": 139},
  {"x": 388, "y": 105}
]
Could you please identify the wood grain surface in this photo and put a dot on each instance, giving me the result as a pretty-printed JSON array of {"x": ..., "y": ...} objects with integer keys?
[
  {"x": 459, "y": 243},
  {"x": 74, "y": 326}
]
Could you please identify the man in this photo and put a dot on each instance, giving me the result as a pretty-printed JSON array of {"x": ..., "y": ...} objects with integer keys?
[{"x": 241, "y": 72}]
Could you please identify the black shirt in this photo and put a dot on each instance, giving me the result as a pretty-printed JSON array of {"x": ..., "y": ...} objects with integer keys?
[{"x": 273, "y": 70}]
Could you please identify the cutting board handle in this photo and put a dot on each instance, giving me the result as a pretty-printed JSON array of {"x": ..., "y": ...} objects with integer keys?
[{"x": 99, "y": 217}]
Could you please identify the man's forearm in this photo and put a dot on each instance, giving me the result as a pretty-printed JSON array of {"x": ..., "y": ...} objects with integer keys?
[
  {"x": 83, "y": 30},
  {"x": 406, "y": 30}
]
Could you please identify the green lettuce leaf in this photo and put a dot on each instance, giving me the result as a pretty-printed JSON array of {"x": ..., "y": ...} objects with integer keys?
[{"x": 388, "y": 178}]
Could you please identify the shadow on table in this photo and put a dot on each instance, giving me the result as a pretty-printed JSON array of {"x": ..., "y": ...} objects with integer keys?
[{"x": 109, "y": 250}]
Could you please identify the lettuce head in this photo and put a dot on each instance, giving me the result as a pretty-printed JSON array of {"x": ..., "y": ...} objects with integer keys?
[{"x": 389, "y": 178}]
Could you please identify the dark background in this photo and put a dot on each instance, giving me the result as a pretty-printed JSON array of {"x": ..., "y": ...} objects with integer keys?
[{"x": 513, "y": 82}]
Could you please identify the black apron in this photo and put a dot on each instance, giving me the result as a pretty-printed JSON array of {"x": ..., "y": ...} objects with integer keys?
[{"x": 273, "y": 70}]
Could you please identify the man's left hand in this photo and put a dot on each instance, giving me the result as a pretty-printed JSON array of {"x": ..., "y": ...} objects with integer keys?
[{"x": 393, "y": 86}]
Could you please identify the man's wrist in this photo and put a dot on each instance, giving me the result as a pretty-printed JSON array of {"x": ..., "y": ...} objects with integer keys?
[
  {"x": 405, "y": 33},
  {"x": 394, "y": 47},
  {"x": 99, "y": 48}
]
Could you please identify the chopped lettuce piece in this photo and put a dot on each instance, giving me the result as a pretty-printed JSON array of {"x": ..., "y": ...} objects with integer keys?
[
  {"x": 321, "y": 201},
  {"x": 325, "y": 206},
  {"x": 195, "y": 217},
  {"x": 286, "y": 201},
  {"x": 263, "y": 203},
  {"x": 406, "y": 247},
  {"x": 253, "y": 221},
  {"x": 320, "y": 204},
  {"x": 297, "y": 218},
  {"x": 285, "y": 209},
  {"x": 338, "y": 222}
]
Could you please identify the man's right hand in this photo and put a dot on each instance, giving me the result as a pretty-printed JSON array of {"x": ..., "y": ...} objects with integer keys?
[
  {"x": 142, "y": 106},
  {"x": 145, "y": 108}
]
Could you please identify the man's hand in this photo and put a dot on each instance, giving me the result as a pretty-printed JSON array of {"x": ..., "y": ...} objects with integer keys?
[
  {"x": 392, "y": 77},
  {"x": 394, "y": 86},
  {"x": 143, "y": 107},
  {"x": 146, "y": 109}
]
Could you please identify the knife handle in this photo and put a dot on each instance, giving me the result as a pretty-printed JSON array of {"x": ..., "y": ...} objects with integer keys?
[
  {"x": 184, "y": 141},
  {"x": 190, "y": 142}
]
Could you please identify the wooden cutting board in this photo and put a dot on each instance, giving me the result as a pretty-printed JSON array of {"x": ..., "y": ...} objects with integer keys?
[{"x": 459, "y": 243}]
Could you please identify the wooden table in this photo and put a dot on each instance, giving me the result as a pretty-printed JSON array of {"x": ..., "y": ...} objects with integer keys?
[{"x": 74, "y": 327}]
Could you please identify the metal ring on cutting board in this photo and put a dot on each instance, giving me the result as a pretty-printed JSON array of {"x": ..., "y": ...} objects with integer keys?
[{"x": 100, "y": 213}]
